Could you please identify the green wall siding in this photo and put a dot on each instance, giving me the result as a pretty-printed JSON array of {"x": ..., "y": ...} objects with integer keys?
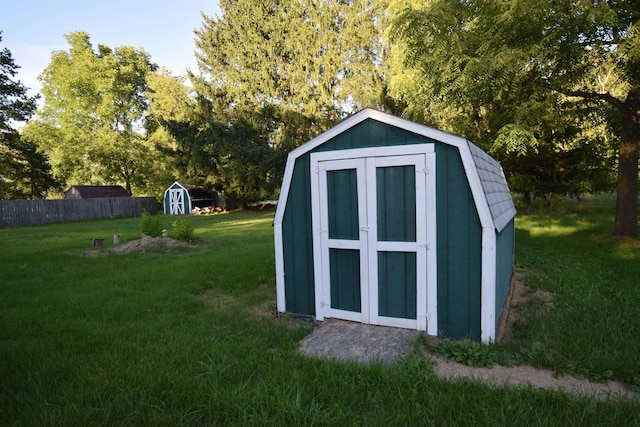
[
  {"x": 504, "y": 265},
  {"x": 298, "y": 243},
  {"x": 458, "y": 231},
  {"x": 371, "y": 134},
  {"x": 459, "y": 246}
]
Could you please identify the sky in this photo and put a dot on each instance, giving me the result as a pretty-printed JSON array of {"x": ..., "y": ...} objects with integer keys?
[{"x": 32, "y": 29}]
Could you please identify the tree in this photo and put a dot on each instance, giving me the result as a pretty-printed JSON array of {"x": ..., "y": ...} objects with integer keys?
[
  {"x": 239, "y": 151},
  {"x": 320, "y": 58},
  {"x": 91, "y": 123},
  {"x": 272, "y": 75},
  {"x": 24, "y": 171},
  {"x": 532, "y": 66}
]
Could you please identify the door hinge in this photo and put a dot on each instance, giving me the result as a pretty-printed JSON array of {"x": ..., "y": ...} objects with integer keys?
[
  {"x": 424, "y": 171},
  {"x": 364, "y": 228},
  {"x": 426, "y": 245}
]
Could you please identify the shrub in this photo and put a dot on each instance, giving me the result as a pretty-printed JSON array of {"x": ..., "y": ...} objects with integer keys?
[
  {"x": 150, "y": 225},
  {"x": 183, "y": 230}
]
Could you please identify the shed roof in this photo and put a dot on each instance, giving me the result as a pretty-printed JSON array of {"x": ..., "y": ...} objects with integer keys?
[
  {"x": 494, "y": 185},
  {"x": 196, "y": 193},
  {"x": 484, "y": 173},
  {"x": 96, "y": 191}
]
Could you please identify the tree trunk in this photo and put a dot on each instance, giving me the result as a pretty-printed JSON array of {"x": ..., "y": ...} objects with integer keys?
[
  {"x": 127, "y": 179},
  {"x": 626, "y": 221}
]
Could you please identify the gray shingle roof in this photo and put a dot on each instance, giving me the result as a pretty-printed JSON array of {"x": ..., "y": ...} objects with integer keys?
[{"x": 495, "y": 187}]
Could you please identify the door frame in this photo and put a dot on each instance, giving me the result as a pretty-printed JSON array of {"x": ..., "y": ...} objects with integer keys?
[{"x": 426, "y": 252}]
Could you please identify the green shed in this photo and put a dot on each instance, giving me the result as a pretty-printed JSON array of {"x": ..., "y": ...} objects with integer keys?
[{"x": 389, "y": 222}]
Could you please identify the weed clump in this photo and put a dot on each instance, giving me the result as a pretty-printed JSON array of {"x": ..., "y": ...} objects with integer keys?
[
  {"x": 469, "y": 352},
  {"x": 182, "y": 230},
  {"x": 150, "y": 225}
]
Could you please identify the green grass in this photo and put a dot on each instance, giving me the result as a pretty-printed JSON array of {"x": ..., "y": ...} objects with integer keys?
[
  {"x": 593, "y": 328},
  {"x": 189, "y": 336}
]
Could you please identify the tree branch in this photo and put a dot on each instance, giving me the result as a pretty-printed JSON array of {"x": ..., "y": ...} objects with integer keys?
[{"x": 607, "y": 97}]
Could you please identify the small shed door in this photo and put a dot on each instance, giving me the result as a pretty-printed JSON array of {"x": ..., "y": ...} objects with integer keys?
[
  {"x": 176, "y": 201},
  {"x": 372, "y": 237}
]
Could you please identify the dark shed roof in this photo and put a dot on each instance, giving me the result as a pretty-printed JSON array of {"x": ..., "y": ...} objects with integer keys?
[
  {"x": 198, "y": 193},
  {"x": 95, "y": 191}
]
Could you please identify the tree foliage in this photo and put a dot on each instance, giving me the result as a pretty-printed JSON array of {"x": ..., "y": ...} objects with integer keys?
[
  {"x": 272, "y": 75},
  {"x": 558, "y": 77},
  {"x": 169, "y": 100},
  {"x": 320, "y": 58},
  {"x": 91, "y": 121},
  {"x": 24, "y": 171}
]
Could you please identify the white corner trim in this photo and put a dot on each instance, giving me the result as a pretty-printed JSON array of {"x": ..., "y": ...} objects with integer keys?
[
  {"x": 488, "y": 286},
  {"x": 432, "y": 247},
  {"x": 279, "y": 252},
  {"x": 277, "y": 233},
  {"x": 284, "y": 189}
]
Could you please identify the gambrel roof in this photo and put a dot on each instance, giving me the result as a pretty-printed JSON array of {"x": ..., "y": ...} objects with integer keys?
[
  {"x": 485, "y": 175},
  {"x": 495, "y": 187},
  {"x": 197, "y": 193}
]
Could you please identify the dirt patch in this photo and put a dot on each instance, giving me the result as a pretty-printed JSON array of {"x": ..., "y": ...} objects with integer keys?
[
  {"x": 260, "y": 307},
  {"x": 530, "y": 376},
  {"x": 217, "y": 300},
  {"x": 141, "y": 245},
  {"x": 267, "y": 308},
  {"x": 522, "y": 304},
  {"x": 147, "y": 242}
]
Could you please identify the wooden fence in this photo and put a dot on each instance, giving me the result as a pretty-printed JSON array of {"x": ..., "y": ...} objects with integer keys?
[{"x": 32, "y": 212}]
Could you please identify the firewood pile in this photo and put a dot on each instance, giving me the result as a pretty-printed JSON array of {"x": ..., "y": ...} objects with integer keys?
[{"x": 207, "y": 210}]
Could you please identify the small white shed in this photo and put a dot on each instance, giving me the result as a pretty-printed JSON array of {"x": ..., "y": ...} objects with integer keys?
[{"x": 182, "y": 198}]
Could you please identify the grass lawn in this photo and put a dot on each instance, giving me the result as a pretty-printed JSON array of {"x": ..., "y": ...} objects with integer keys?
[{"x": 189, "y": 336}]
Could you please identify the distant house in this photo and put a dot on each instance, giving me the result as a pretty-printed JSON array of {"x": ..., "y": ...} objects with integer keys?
[{"x": 95, "y": 191}]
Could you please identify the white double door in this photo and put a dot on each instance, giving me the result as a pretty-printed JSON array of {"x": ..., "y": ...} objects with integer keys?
[
  {"x": 373, "y": 217},
  {"x": 176, "y": 201}
]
